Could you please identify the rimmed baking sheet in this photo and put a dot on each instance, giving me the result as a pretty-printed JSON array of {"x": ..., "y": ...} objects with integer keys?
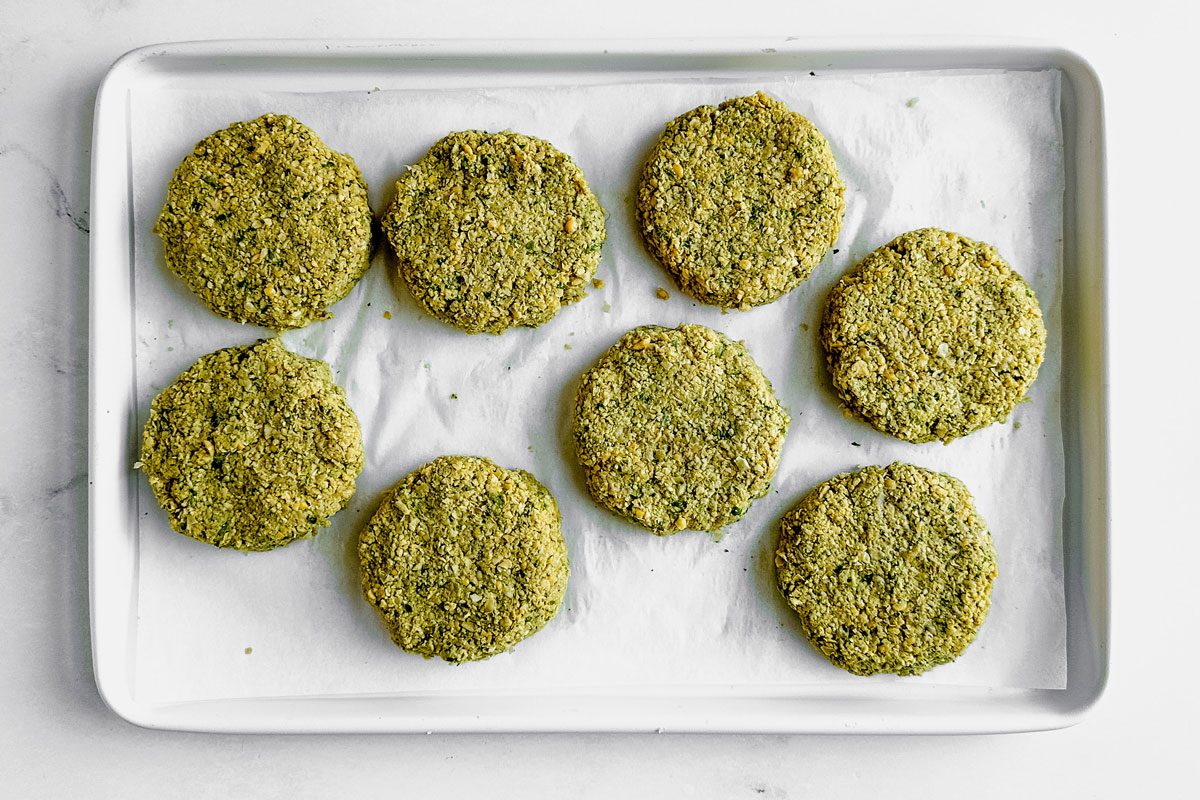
[{"x": 985, "y": 140}]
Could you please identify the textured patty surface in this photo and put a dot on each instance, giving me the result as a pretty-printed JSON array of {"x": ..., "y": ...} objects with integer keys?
[
  {"x": 740, "y": 201},
  {"x": 495, "y": 230},
  {"x": 890, "y": 569},
  {"x": 933, "y": 336},
  {"x": 678, "y": 428},
  {"x": 252, "y": 447},
  {"x": 464, "y": 559},
  {"x": 266, "y": 224}
]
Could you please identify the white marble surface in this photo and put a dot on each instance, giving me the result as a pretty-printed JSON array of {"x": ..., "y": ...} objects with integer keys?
[{"x": 58, "y": 739}]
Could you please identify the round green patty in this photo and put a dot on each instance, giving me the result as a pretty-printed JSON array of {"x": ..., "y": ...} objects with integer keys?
[
  {"x": 266, "y": 224},
  {"x": 252, "y": 447},
  {"x": 932, "y": 336},
  {"x": 494, "y": 230},
  {"x": 890, "y": 569},
  {"x": 677, "y": 428},
  {"x": 740, "y": 201},
  {"x": 464, "y": 559}
]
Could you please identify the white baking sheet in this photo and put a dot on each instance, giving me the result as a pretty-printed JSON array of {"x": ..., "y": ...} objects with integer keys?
[{"x": 979, "y": 153}]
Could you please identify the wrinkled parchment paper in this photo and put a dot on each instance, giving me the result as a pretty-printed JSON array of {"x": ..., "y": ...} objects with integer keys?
[{"x": 977, "y": 153}]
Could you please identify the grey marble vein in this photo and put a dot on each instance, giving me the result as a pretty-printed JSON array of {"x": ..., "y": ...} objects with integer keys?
[{"x": 59, "y": 202}]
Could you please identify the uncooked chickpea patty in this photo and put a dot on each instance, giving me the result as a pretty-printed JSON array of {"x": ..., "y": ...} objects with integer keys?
[
  {"x": 889, "y": 568},
  {"x": 464, "y": 559},
  {"x": 933, "y": 336},
  {"x": 495, "y": 230},
  {"x": 252, "y": 447},
  {"x": 266, "y": 224},
  {"x": 740, "y": 201},
  {"x": 678, "y": 428}
]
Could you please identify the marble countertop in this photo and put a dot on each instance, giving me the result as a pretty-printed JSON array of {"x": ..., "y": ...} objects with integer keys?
[{"x": 58, "y": 738}]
